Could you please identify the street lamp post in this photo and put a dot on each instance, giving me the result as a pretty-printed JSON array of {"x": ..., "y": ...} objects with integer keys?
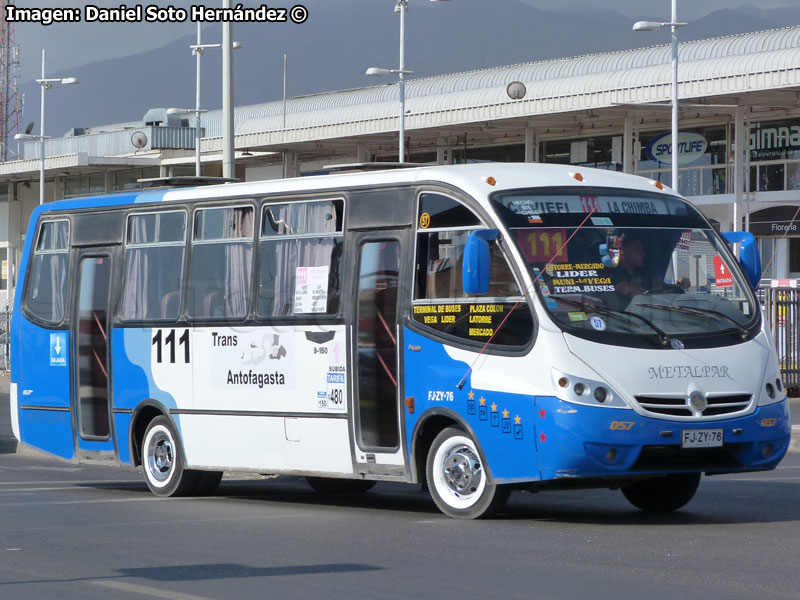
[
  {"x": 673, "y": 25},
  {"x": 401, "y": 72},
  {"x": 46, "y": 84},
  {"x": 198, "y": 50}
]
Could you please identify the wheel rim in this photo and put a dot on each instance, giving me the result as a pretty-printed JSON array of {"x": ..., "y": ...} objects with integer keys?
[
  {"x": 458, "y": 473},
  {"x": 160, "y": 456}
]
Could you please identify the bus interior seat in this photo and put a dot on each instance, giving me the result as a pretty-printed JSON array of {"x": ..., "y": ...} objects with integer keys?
[
  {"x": 170, "y": 304},
  {"x": 213, "y": 304}
]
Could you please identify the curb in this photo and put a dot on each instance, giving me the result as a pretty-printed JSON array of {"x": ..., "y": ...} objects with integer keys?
[{"x": 794, "y": 445}]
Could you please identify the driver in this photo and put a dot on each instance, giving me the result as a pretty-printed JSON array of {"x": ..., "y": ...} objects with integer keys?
[{"x": 630, "y": 277}]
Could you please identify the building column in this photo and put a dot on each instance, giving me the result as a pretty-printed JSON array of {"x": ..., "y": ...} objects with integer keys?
[
  {"x": 13, "y": 235},
  {"x": 290, "y": 165},
  {"x": 628, "y": 145},
  {"x": 58, "y": 188},
  {"x": 361, "y": 153},
  {"x": 531, "y": 145},
  {"x": 108, "y": 181},
  {"x": 740, "y": 143},
  {"x": 443, "y": 157}
]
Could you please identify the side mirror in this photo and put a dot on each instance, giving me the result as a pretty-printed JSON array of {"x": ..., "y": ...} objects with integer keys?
[
  {"x": 476, "y": 268},
  {"x": 749, "y": 258}
]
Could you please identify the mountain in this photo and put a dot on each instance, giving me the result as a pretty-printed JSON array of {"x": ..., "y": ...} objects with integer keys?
[{"x": 334, "y": 47}]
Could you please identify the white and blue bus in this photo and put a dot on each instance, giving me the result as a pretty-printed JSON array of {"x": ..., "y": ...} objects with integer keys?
[{"x": 475, "y": 328}]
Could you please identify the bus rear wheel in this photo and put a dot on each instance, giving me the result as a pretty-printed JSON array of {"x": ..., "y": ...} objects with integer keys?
[
  {"x": 162, "y": 461},
  {"x": 457, "y": 479},
  {"x": 662, "y": 494}
]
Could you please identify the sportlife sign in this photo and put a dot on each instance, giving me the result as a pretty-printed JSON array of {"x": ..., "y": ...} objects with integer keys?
[{"x": 691, "y": 146}]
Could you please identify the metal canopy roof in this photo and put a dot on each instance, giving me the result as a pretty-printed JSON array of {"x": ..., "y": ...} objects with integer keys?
[{"x": 732, "y": 65}]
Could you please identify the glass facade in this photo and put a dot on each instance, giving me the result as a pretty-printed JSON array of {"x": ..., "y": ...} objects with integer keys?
[
  {"x": 705, "y": 175},
  {"x": 775, "y": 156},
  {"x": 95, "y": 183},
  {"x": 598, "y": 153}
]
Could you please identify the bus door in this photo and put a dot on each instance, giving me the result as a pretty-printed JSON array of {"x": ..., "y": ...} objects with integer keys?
[
  {"x": 375, "y": 342},
  {"x": 91, "y": 346}
]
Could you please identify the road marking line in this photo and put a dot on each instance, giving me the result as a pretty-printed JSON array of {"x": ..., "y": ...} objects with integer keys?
[
  {"x": 43, "y": 489},
  {"x": 107, "y": 501},
  {"x": 148, "y": 591},
  {"x": 756, "y": 479},
  {"x": 106, "y": 482}
]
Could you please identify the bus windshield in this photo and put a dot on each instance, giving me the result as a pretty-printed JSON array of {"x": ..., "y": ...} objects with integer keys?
[{"x": 629, "y": 268}]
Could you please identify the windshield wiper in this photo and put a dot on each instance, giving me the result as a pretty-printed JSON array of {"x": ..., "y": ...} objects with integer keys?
[
  {"x": 662, "y": 335},
  {"x": 704, "y": 312}
]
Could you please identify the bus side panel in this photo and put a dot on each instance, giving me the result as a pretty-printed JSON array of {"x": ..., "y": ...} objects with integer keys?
[
  {"x": 502, "y": 423},
  {"x": 255, "y": 442},
  {"x": 133, "y": 382},
  {"x": 44, "y": 384},
  {"x": 272, "y": 398}
]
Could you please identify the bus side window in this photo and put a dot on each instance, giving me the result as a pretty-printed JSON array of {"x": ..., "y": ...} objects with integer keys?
[
  {"x": 301, "y": 250},
  {"x": 154, "y": 252},
  {"x": 439, "y": 299},
  {"x": 46, "y": 288},
  {"x": 222, "y": 258}
]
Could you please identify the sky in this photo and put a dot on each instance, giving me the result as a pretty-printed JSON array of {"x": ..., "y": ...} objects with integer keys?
[{"x": 74, "y": 44}]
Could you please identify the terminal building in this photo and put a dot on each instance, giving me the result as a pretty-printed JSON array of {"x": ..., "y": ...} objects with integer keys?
[{"x": 739, "y": 135}]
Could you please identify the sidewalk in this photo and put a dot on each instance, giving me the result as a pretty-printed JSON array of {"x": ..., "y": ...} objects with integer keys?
[{"x": 8, "y": 445}]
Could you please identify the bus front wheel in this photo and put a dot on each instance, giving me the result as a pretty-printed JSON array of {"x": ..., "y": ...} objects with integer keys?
[
  {"x": 662, "y": 494},
  {"x": 162, "y": 461},
  {"x": 457, "y": 479}
]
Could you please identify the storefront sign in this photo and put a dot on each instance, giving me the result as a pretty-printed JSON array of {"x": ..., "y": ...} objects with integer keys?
[
  {"x": 777, "y": 221},
  {"x": 774, "y": 140},
  {"x": 691, "y": 146},
  {"x": 783, "y": 283}
]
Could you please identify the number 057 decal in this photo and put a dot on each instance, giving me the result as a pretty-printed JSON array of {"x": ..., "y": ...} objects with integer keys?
[{"x": 160, "y": 340}]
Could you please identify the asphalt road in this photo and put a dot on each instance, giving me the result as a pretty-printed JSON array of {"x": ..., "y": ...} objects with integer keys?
[
  {"x": 91, "y": 532},
  {"x": 82, "y": 532}
]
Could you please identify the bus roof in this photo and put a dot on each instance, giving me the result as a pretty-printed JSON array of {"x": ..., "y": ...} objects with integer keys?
[{"x": 478, "y": 180}]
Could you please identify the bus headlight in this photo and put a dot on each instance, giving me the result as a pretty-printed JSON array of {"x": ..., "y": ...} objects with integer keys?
[
  {"x": 772, "y": 390},
  {"x": 579, "y": 390}
]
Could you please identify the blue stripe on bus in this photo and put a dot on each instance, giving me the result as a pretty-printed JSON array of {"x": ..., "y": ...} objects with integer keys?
[
  {"x": 133, "y": 382},
  {"x": 133, "y": 377},
  {"x": 503, "y": 423}
]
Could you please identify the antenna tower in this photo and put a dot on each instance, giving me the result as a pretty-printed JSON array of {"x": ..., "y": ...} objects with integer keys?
[{"x": 10, "y": 108}]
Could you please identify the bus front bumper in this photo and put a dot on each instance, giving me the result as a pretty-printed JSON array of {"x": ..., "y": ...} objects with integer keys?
[{"x": 577, "y": 441}]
